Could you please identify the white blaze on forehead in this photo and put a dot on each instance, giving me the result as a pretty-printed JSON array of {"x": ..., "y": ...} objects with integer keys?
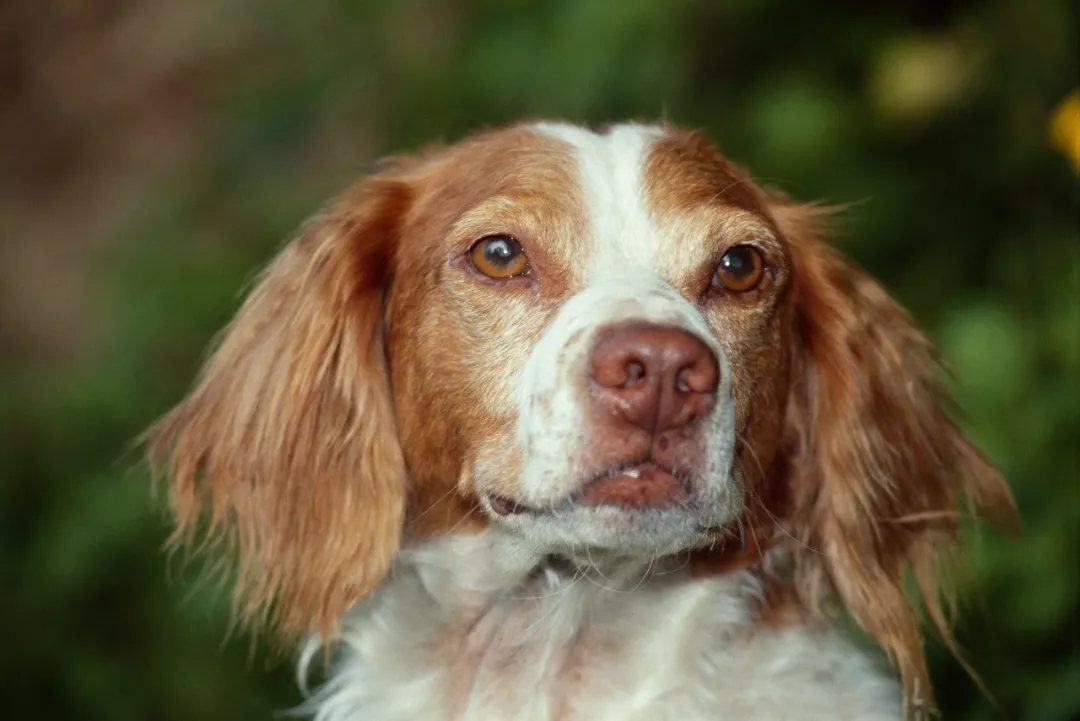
[{"x": 611, "y": 170}]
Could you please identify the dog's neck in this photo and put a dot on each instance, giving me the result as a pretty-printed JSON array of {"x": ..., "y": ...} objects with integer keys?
[
  {"x": 463, "y": 616},
  {"x": 464, "y": 575},
  {"x": 482, "y": 626}
]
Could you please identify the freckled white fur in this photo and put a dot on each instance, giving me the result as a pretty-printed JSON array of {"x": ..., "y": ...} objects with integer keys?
[{"x": 658, "y": 645}]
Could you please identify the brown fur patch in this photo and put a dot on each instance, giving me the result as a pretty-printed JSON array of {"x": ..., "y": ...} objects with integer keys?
[{"x": 287, "y": 445}]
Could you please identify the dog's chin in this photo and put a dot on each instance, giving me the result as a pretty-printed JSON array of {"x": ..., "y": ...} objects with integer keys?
[
  {"x": 619, "y": 524},
  {"x": 616, "y": 532}
]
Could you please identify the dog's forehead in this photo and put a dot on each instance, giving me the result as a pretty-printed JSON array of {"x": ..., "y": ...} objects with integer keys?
[
  {"x": 610, "y": 170},
  {"x": 652, "y": 193}
]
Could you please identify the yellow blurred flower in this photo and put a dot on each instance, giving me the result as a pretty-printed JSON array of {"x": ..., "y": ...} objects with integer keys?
[
  {"x": 917, "y": 77},
  {"x": 1065, "y": 128}
]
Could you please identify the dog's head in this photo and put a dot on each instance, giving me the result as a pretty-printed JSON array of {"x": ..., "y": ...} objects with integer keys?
[{"x": 606, "y": 343}]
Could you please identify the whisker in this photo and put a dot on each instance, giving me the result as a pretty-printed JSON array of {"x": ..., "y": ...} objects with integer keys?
[
  {"x": 777, "y": 525},
  {"x": 554, "y": 606},
  {"x": 645, "y": 575},
  {"x": 928, "y": 516},
  {"x": 676, "y": 569},
  {"x": 476, "y": 507},
  {"x": 434, "y": 503},
  {"x": 593, "y": 564}
]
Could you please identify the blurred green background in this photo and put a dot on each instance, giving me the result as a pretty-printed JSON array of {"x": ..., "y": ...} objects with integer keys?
[{"x": 156, "y": 153}]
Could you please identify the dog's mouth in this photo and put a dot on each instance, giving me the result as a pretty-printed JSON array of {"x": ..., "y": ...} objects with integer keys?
[{"x": 634, "y": 487}]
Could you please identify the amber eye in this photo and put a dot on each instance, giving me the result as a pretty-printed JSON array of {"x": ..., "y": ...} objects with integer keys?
[
  {"x": 499, "y": 256},
  {"x": 741, "y": 269}
]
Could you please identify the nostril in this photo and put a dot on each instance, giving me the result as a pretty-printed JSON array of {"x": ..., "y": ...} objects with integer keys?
[
  {"x": 699, "y": 376},
  {"x": 620, "y": 372},
  {"x": 682, "y": 384},
  {"x": 635, "y": 371}
]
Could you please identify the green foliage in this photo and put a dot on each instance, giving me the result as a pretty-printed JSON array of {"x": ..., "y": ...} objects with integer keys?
[{"x": 930, "y": 117}]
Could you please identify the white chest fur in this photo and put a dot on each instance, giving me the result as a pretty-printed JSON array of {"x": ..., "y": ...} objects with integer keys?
[{"x": 471, "y": 629}]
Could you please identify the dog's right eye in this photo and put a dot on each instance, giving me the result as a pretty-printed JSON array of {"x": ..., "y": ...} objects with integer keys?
[{"x": 499, "y": 256}]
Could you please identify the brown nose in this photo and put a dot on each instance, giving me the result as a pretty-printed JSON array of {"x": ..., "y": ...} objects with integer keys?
[{"x": 656, "y": 378}]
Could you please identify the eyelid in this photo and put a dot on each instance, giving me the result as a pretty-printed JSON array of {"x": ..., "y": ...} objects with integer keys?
[
  {"x": 756, "y": 235},
  {"x": 772, "y": 252},
  {"x": 497, "y": 215}
]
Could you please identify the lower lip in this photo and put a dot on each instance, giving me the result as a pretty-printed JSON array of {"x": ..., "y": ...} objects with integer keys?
[{"x": 638, "y": 487}]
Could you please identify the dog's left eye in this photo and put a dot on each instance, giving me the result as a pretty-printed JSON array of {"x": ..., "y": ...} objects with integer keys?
[
  {"x": 741, "y": 269},
  {"x": 499, "y": 256}
]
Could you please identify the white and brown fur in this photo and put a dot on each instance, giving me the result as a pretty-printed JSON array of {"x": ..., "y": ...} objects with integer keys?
[{"x": 375, "y": 394}]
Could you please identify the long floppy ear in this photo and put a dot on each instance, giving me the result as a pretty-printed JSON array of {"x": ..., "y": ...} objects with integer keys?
[
  {"x": 285, "y": 452},
  {"x": 882, "y": 473}
]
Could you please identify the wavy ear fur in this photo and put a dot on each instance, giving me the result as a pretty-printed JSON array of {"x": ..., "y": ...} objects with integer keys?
[
  {"x": 286, "y": 451},
  {"x": 881, "y": 468}
]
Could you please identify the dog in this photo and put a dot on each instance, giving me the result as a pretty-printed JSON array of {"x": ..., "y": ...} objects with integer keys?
[{"x": 561, "y": 424}]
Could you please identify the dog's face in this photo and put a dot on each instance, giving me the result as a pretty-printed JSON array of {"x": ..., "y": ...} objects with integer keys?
[
  {"x": 603, "y": 343},
  {"x": 582, "y": 327}
]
